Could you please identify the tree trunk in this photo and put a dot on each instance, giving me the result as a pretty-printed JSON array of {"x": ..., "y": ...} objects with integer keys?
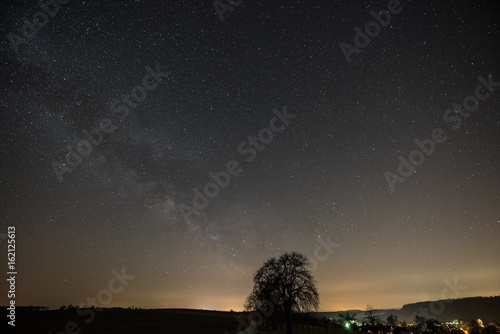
[{"x": 288, "y": 318}]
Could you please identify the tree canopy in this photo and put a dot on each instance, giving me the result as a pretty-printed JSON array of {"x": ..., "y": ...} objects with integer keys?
[{"x": 285, "y": 283}]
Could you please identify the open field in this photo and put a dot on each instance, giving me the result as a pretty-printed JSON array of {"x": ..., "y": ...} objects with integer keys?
[
  {"x": 129, "y": 321},
  {"x": 125, "y": 321}
]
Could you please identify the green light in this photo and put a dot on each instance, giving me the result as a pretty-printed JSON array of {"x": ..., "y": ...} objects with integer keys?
[{"x": 347, "y": 325}]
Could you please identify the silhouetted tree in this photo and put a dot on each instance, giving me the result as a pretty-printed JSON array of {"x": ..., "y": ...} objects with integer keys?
[
  {"x": 392, "y": 320},
  {"x": 287, "y": 282},
  {"x": 420, "y": 324},
  {"x": 347, "y": 317},
  {"x": 258, "y": 301},
  {"x": 371, "y": 316}
]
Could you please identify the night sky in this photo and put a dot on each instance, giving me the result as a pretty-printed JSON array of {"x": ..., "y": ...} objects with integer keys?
[{"x": 215, "y": 89}]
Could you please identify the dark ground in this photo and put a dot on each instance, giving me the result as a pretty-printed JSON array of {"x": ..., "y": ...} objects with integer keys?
[
  {"x": 124, "y": 321},
  {"x": 127, "y": 322}
]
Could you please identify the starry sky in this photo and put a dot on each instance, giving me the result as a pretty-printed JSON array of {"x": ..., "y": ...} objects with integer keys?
[{"x": 216, "y": 83}]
